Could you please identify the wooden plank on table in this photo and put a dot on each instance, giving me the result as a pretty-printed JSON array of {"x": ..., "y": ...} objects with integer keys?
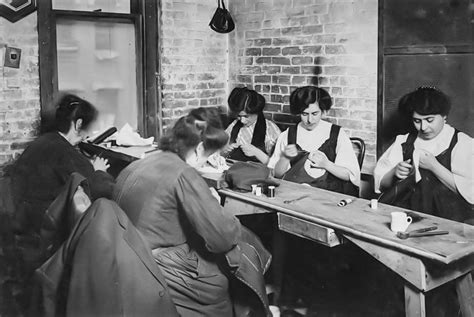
[
  {"x": 359, "y": 220},
  {"x": 308, "y": 230}
]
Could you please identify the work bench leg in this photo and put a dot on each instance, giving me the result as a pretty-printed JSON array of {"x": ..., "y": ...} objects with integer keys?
[
  {"x": 414, "y": 302},
  {"x": 465, "y": 292}
]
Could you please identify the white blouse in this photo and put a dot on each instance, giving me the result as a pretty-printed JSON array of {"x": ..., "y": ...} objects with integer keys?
[
  {"x": 311, "y": 141},
  {"x": 462, "y": 158},
  {"x": 246, "y": 134}
]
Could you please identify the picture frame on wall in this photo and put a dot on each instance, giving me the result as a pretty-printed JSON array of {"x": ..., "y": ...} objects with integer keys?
[{"x": 14, "y": 10}]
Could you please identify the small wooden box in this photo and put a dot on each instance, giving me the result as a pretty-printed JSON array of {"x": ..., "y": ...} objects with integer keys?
[{"x": 308, "y": 230}]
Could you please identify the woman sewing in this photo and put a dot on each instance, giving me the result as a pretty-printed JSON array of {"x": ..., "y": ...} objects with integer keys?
[
  {"x": 42, "y": 171},
  {"x": 45, "y": 166},
  {"x": 315, "y": 151},
  {"x": 430, "y": 168},
  {"x": 180, "y": 218},
  {"x": 252, "y": 137}
]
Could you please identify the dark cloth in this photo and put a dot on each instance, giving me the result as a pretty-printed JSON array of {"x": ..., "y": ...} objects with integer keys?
[
  {"x": 104, "y": 268},
  {"x": 41, "y": 172},
  {"x": 187, "y": 229},
  {"x": 258, "y": 139},
  {"x": 430, "y": 195},
  {"x": 61, "y": 216},
  {"x": 298, "y": 174}
]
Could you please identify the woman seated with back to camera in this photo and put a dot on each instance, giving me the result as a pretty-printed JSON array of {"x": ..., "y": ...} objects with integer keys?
[
  {"x": 315, "y": 151},
  {"x": 181, "y": 218},
  {"x": 435, "y": 160},
  {"x": 252, "y": 137}
]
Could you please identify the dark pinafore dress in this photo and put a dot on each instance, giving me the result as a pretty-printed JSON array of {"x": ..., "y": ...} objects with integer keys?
[
  {"x": 429, "y": 195},
  {"x": 298, "y": 174},
  {"x": 258, "y": 139}
]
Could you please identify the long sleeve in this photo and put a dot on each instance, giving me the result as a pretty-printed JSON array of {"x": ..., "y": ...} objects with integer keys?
[
  {"x": 280, "y": 145},
  {"x": 220, "y": 231},
  {"x": 100, "y": 183},
  {"x": 346, "y": 157},
  {"x": 462, "y": 168},
  {"x": 391, "y": 157}
]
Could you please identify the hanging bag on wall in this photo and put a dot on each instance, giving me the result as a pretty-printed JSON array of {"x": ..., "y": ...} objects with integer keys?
[{"x": 222, "y": 21}]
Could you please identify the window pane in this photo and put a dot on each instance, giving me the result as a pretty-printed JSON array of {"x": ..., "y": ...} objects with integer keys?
[
  {"x": 117, "y": 6},
  {"x": 96, "y": 61}
]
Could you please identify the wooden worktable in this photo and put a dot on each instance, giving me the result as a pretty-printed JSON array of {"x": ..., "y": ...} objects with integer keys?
[{"x": 425, "y": 262}]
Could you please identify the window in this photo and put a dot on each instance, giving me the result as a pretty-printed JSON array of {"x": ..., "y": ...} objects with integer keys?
[{"x": 104, "y": 51}]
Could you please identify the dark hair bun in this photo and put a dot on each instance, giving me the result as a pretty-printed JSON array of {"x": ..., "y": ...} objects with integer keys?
[
  {"x": 424, "y": 100},
  {"x": 244, "y": 99},
  {"x": 302, "y": 97},
  {"x": 200, "y": 125}
]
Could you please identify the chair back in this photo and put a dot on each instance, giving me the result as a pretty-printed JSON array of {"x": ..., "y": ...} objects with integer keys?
[{"x": 359, "y": 148}]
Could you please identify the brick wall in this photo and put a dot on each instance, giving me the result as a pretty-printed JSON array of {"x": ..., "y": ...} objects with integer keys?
[
  {"x": 194, "y": 58},
  {"x": 19, "y": 88},
  {"x": 279, "y": 45}
]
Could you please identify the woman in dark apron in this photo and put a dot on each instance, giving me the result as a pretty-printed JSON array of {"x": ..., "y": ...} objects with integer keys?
[
  {"x": 430, "y": 169},
  {"x": 252, "y": 137},
  {"x": 314, "y": 151}
]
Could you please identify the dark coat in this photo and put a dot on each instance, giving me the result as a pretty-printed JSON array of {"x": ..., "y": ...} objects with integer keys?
[
  {"x": 104, "y": 269},
  {"x": 40, "y": 174}
]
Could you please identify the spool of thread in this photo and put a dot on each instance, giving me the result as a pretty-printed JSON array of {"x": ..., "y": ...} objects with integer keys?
[
  {"x": 345, "y": 202},
  {"x": 271, "y": 191},
  {"x": 258, "y": 191},
  {"x": 374, "y": 203},
  {"x": 254, "y": 189}
]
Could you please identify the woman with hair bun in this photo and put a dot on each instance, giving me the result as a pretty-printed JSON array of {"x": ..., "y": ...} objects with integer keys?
[
  {"x": 315, "y": 151},
  {"x": 252, "y": 137},
  {"x": 45, "y": 166},
  {"x": 180, "y": 218},
  {"x": 434, "y": 162}
]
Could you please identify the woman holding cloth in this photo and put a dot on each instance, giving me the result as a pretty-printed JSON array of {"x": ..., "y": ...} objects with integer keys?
[
  {"x": 252, "y": 137},
  {"x": 180, "y": 218},
  {"x": 315, "y": 151},
  {"x": 430, "y": 168}
]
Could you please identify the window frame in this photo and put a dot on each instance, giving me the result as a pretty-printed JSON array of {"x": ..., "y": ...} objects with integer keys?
[{"x": 143, "y": 14}]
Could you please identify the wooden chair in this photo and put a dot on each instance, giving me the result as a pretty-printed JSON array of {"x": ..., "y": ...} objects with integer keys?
[{"x": 359, "y": 148}]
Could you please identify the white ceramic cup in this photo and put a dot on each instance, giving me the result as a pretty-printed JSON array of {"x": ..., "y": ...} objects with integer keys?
[{"x": 400, "y": 221}]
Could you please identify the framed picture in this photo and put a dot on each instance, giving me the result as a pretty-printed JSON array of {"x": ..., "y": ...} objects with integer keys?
[{"x": 14, "y": 10}]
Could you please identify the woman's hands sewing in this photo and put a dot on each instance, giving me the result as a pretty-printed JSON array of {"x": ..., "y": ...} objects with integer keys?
[
  {"x": 290, "y": 151},
  {"x": 229, "y": 148},
  {"x": 318, "y": 159},
  {"x": 403, "y": 169},
  {"x": 427, "y": 160},
  {"x": 100, "y": 164}
]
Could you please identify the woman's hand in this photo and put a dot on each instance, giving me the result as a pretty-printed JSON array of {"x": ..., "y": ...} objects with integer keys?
[
  {"x": 100, "y": 164},
  {"x": 290, "y": 151},
  {"x": 229, "y": 148},
  {"x": 427, "y": 160},
  {"x": 403, "y": 169},
  {"x": 250, "y": 150},
  {"x": 318, "y": 159}
]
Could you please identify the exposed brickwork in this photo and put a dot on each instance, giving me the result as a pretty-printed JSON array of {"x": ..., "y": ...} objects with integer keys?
[
  {"x": 19, "y": 88},
  {"x": 194, "y": 58},
  {"x": 279, "y": 45}
]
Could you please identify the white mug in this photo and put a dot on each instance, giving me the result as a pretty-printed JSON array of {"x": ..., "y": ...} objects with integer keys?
[{"x": 400, "y": 221}]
